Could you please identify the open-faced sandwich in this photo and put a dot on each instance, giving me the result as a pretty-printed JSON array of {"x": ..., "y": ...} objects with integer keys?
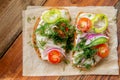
[
  {"x": 53, "y": 35},
  {"x": 91, "y": 40}
]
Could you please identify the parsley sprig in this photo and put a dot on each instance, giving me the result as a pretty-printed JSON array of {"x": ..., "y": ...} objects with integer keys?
[{"x": 88, "y": 52}]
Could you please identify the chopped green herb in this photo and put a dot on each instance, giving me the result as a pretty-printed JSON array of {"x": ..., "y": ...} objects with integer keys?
[
  {"x": 56, "y": 38},
  {"x": 87, "y": 66},
  {"x": 80, "y": 45},
  {"x": 84, "y": 52},
  {"x": 78, "y": 58},
  {"x": 89, "y": 15},
  {"x": 41, "y": 44},
  {"x": 88, "y": 52},
  {"x": 30, "y": 43},
  {"x": 62, "y": 33},
  {"x": 34, "y": 18},
  {"x": 66, "y": 61},
  {"x": 42, "y": 29},
  {"x": 28, "y": 19},
  {"x": 69, "y": 44}
]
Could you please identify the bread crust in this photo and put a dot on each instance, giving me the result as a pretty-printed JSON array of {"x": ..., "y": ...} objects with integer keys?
[
  {"x": 34, "y": 37},
  {"x": 35, "y": 27}
]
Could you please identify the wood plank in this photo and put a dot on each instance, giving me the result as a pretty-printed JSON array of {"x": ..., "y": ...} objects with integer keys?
[
  {"x": 114, "y": 78},
  {"x": 81, "y": 2},
  {"x": 10, "y": 22},
  {"x": 70, "y": 77},
  {"x": 89, "y": 77},
  {"x": 11, "y": 63},
  {"x": 38, "y": 2}
]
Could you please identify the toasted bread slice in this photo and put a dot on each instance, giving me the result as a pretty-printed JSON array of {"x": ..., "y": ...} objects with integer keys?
[
  {"x": 36, "y": 26},
  {"x": 96, "y": 58}
]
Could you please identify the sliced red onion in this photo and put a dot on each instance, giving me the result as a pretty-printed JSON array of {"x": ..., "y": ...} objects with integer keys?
[
  {"x": 81, "y": 36},
  {"x": 83, "y": 60},
  {"x": 91, "y": 37},
  {"x": 48, "y": 49}
]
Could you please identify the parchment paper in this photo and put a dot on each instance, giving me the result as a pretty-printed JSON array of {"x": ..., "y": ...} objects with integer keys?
[{"x": 33, "y": 66}]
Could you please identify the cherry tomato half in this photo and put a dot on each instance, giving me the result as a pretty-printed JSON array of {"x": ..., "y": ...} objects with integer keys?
[
  {"x": 103, "y": 50},
  {"x": 84, "y": 24},
  {"x": 54, "y": 56}
]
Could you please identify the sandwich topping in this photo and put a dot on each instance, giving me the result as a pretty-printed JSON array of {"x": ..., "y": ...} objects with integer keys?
[
  {"x": 84, "y": 24},
  {"x": 51, "y": 16},
  {"x": 100, "y": 23}
]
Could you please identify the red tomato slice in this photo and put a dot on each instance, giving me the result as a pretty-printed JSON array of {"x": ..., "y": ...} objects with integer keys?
[
  {"x": 84, "y": 24},
  {"x": 54, "y": 56},
  {"x": 103, "y": 50}
]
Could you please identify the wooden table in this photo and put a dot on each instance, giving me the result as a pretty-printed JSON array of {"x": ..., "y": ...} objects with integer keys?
[{"x": 11, "y": 62}]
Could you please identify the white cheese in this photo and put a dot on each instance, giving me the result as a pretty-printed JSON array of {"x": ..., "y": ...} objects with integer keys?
[
  {"x": 75, "y": 55},
  {"x": 97, "y": 58},
  {"x": 48, "y": 44},
  {"x": 99, "y": 24},
  {"x": 89, "y": 61},
  {"x": 63, "y": 14},
  {"x": 77, "y": 39},
  {"x": 87, "y": 15}
]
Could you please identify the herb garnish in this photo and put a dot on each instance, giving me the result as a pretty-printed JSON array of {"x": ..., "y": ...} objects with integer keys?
[
  {"x": 28, "y": 19},
  {"x": 42, "y": 29},
  {"x": 85, "y": 53},
  {"x": 66, "y": 61},
  {"x": 88, "y": 52},
  {"x": 89, "y": 15},
  {"x": 87, "y": 66},
  {"x": 41, "y": 44},
  {"x": 62, "y": 33},
  {"x": 34, "y": 18}
]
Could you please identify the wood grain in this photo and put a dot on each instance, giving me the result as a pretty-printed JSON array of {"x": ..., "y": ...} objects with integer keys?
[
  {"x": 81, "y": 3},
  {"x": 11, "y": 63},
  {"x": 11, "y": 20}
]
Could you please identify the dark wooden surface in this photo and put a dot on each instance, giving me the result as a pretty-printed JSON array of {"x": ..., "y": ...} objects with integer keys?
[{"x": 10, "y": 18}]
